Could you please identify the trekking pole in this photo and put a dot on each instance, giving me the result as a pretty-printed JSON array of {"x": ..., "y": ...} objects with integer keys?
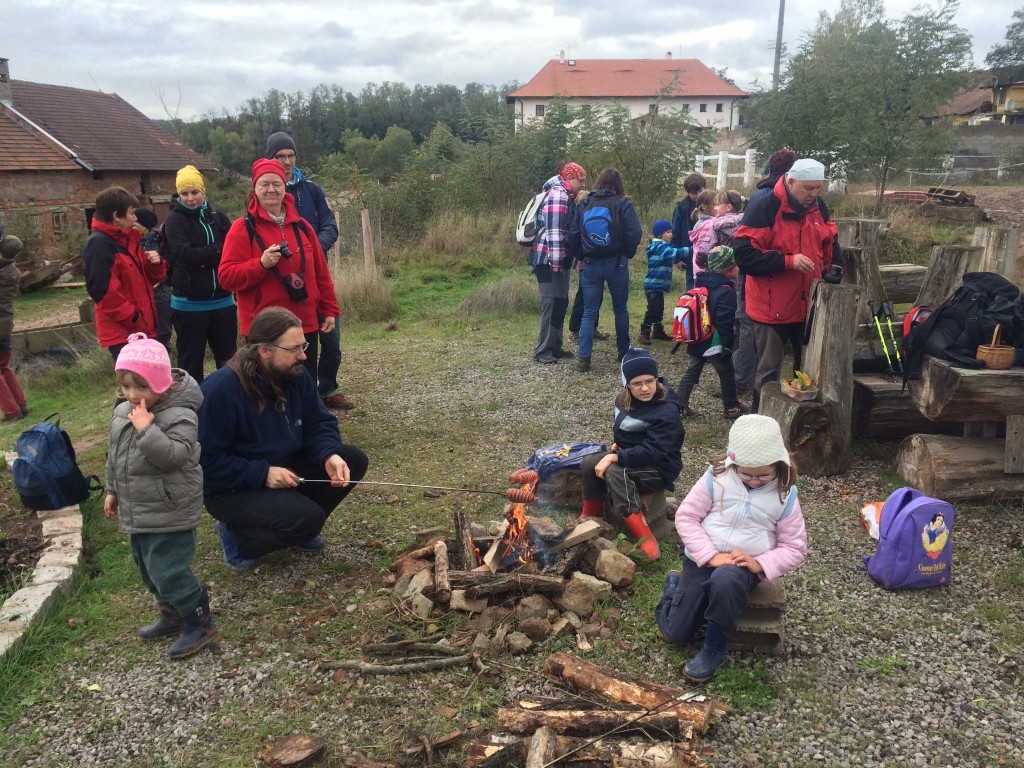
[
  {"x": 515, "y": 495},
  {"x": 887, "y": 311},
  {"x": 881, "y": 338}
]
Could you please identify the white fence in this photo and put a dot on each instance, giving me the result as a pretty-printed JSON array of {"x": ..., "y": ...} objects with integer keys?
[{"x": 750, "y": 174}]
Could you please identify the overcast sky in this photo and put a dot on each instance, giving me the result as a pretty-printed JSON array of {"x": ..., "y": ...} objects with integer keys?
[{"x": 203, "y": 56}]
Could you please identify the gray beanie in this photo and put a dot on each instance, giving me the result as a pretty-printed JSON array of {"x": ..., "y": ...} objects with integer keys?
[
  {"x": 278, "y": 141},
  {"x": 755, "y": 441}
]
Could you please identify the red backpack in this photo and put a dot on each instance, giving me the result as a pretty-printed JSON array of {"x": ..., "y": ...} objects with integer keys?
[
  {"x": 691, "y": 322},
  {"x": 915, "y": 316}
]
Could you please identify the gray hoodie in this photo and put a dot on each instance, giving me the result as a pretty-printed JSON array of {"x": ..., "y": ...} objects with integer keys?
[{"x": 155, "y": 474}]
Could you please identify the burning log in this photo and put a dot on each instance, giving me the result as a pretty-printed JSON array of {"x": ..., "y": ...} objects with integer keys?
[
  {"x": 615, "y": 686},
  {"x": 590, "y": 722},
  {"x": 479, "y": 584},
  {"x": 442, "y": 586}
]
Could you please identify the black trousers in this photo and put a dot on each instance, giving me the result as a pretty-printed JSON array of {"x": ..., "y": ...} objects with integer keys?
[
  {"x": 218, "y": 328},
  {"x": 264, "y": 520}
]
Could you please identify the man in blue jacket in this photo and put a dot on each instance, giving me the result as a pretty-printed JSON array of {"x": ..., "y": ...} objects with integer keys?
[
  {"x": 311, "y": 203},
  {"x": 263, "y": 431}
]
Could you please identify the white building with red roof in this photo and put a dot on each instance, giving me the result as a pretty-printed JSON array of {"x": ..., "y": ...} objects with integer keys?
[{"x": 643, "y": 85}]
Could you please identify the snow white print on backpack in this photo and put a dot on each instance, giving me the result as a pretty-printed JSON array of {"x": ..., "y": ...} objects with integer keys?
[
  {"x": 46, "y": 474},
  {"x": 915, "y": 547}
]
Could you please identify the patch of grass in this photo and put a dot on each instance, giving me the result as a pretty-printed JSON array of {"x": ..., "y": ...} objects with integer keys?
[
  {"x": 1012, "y": 578},
  {"x": 363, "y": 296},
  {"x": 509, "y": 295},
  {"x": 887, "y": 665},
  {"x": 40, "y": 306},
  {"x": 746, "y": 685}
]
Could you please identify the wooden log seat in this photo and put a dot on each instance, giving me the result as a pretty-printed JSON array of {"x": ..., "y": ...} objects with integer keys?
[
  {"x": 883, "y": 411},
  {"x": 902, "y": 281},
  {"x": 946, "y": 393},
  {"x": 958, "y": 468}
]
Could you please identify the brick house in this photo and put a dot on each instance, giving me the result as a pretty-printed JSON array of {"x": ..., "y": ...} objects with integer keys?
[
  {"x": 640, "y": 84},
  {"x": 60, "y": 146}
]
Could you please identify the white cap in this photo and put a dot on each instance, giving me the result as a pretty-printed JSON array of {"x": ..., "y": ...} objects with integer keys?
[
  {"x": 806, "y": 169},
  {"x": 755, "y": 441}
]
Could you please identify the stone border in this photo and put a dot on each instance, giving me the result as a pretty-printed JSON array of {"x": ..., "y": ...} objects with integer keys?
[{"x": 53, "y": 576}]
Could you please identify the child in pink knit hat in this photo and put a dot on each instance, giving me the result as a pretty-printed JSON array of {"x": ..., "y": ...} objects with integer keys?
[{"x": 155, "y": 486}]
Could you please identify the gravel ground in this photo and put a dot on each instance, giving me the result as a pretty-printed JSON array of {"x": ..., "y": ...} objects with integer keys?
[{"x": 866, "y": 677}]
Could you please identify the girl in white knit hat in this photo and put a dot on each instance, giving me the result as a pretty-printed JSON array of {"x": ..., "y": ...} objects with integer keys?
[{"x": 740, "y": 524}]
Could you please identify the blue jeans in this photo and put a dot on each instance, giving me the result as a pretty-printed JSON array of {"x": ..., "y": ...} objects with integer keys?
[
  {"x": 597, "y": 272},
  {"x": 330, "y": 361}
]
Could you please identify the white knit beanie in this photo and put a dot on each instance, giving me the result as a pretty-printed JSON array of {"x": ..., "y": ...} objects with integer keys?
[{"x": 755, "y": 441}]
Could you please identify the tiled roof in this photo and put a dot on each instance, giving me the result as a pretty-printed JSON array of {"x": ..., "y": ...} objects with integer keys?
[
  {"x": 969, "y": 102},
  {"x": 104, "y": 130},
  {"x": 22, "y": 149},
  {"x": 625, "y": 78}
]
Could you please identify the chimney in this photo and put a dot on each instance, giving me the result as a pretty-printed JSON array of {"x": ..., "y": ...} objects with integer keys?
[
  {"x": 6, "y": 92},
  {"x": 668, "y": 54},
  {"x": 561, "y": 58}
]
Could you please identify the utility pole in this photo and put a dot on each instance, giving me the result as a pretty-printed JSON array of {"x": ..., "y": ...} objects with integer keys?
[{"x": 778, "y": 45}]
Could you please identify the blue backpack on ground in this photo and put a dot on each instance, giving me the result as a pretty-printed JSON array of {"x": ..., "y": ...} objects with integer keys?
[
  {"x": 915, "y": 547},
  {"x": 46, "y": 473},
  {"x": 600, "y": 227},
  {"x": 554, "y": 458}
]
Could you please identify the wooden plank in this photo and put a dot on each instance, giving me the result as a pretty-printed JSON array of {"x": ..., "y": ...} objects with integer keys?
[
  {"x": 946, "y": 272},
  {"x": 902, "y": 281},
  {"x": 958, "y": 468},
  {"x": 967, "y": 394},
  {"x": 584, "y": 531},
  {"x": 1000, "y": 246},
  {"x": 1014, "y": 451}
]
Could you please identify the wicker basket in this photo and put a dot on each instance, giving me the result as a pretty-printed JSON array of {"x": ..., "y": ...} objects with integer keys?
[{"x": 996, "y": 355}]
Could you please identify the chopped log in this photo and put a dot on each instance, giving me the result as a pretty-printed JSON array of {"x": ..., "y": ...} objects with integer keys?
[
  {"x": 1000, "y": 246},
  {"x": 621, "y": 688},
  {"x": 590, "y": 722},
  {"x": 902, "y": 281},
  {"x": 946, "y": 272},
  {"x": 480, "y": 584},
  {"x": 967, "y": 394},
  {"x": 295, "y": 751},
  {"x": 958, "y": 468},
  {"x": 493, "y": 557},
  {"x": 442, "y": 587},
  {"x": 1014, "y": 451},
  {"x": 467, "y": 555},
  {"x": 543, "y": 749},
  {"x": 584, "y": 531},
  {"x": 882, "y": 411},
  {"x": 419, "y": 553}
]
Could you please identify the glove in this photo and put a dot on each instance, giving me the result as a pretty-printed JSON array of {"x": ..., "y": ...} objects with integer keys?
[{"x": 834, "y": 276}]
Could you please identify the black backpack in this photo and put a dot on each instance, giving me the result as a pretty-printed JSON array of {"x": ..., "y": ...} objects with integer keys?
[
  {"x": 600, "y": 226},
  {"x": 966, "y": 319}
]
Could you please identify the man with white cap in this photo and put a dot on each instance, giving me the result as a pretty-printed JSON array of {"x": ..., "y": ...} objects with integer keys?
[{"x": 786, "y": 240}]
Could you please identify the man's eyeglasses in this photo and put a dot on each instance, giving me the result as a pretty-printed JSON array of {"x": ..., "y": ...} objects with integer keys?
[
  {"x": 759, "y": 478},
  {"x": 646, "y": 383},
  {"x": 292, "y": 350}
]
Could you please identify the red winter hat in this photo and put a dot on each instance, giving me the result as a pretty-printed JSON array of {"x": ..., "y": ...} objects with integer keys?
[
  {"x": 267, "y": 165},
  {"x": 572, "y": 171}
]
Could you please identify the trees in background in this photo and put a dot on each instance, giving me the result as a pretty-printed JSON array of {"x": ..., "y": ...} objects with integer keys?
[
  {"x": 858, "y": 92},
  {"x": 1007, "y": 58}
]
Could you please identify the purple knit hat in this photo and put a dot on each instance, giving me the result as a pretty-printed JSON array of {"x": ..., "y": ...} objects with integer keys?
[{"x": 147, "y": 358}]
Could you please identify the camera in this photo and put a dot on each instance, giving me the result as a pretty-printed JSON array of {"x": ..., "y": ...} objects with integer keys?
[
  {"x": 834, "y": 276},
  {"x": 286, "y": 252},
  {"x": 295, "y": 284}
]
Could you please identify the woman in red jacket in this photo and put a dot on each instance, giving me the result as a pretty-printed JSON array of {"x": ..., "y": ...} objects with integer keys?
[{"x": 272, "y": 258}]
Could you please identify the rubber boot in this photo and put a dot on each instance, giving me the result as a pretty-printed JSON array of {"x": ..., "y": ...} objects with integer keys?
[
  {"x": 169, "y": 623},
  {"x": 645, "y": 334},
  {"x": 198, "y": 631},
  {"x": 642, "y": 533},
  {"x": 658, "y": 333},
  {"x": 701, "y": 667},
  {"x": 592, "y": 508}
]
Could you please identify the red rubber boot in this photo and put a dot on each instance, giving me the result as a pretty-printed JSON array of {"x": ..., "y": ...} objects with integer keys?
[
  {"x": 642, "y": 532},
  {"x": 592, "y": 508}
]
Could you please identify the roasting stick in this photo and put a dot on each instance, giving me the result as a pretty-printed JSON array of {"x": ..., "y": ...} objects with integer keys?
[{"x": 516, "y": 495}]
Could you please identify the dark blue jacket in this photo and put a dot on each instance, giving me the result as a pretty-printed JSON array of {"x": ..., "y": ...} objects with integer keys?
[
  {"x": 722, "y": 305},
  {"x": 311, "y": 203},
  {"x": 651, "y": 435},
  {"x": 682, "y": 223},
  {"x": 632, "y": 232},
  {"x": 239, "y": 444}
]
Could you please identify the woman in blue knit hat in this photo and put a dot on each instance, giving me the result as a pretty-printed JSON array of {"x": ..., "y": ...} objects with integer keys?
[{"x": 646, "y": 455}]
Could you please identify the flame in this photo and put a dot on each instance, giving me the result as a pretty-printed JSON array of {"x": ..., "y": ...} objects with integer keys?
[{"x": 516, "y": 541}]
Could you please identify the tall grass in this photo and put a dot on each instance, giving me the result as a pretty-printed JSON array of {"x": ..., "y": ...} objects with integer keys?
[
  {"x": 362, "y": 295},
  {"x": 506, "y": 296}
]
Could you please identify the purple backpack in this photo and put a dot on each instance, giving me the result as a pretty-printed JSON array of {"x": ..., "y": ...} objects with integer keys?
[{"x": 915, "y": 547}]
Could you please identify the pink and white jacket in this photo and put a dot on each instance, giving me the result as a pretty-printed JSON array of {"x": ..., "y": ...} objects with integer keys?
[
  {"x": 720, "y": 514},
  {"x": 719, "y": 230}
]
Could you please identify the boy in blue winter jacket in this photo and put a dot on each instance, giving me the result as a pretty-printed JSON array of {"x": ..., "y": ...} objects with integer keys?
[
  {"x": 660, "y": 258},
  {"x": 719, "y": 280}
]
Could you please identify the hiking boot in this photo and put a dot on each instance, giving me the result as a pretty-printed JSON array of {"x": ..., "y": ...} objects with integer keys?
[
  {"x": 198, "y": 630},
  {"x": 563, "y": 354},
  {"x": 338, "y": 401},
  {"x": 672, "y": 582},
  {"x": 658, "y": 334},
  {"x": 310, "y": 547},
  {"x": 169, "y": 623},
  {"x": 637, "y": 526},
  {"x": 740, "y": 409},
  {"x": 232, "y": 557},
  {"x": 687, "y": 411},
  {"x": 574, "y": 337},
  {"x": 645, "y": 335},
  {"x": 583, "y": 364},
  {"x": 600, "y": 335},
  {"x": 702, "y": 667},
  {"x": 546, "y": 358}
]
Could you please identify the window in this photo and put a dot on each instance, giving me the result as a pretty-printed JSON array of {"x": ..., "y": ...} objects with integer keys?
[
  {"x": 60, "y": 221},
  {"x": 703, "y": 107},
  {"x": 539, "y": 110},
  {"x": 652, "y": 109},
  {"x": 718, "y": 107}
]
